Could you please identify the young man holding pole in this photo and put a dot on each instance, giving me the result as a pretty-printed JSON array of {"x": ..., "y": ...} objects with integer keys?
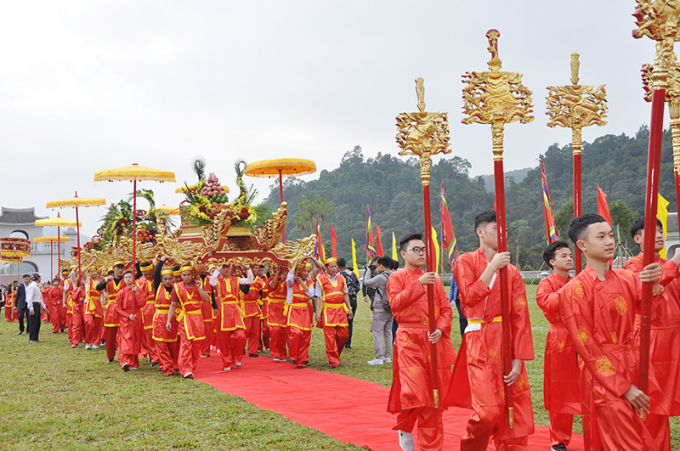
[
  {"x": 479, "y": 379},
  {"x": 411, "y": 395}
]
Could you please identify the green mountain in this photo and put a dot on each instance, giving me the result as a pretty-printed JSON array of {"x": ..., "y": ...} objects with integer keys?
[
  {"x": 518, "y": 175},
  {"x": 391, "y": 186}
]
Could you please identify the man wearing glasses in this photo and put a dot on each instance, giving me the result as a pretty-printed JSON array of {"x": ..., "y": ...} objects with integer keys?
[{"x": 411, "y": 394}]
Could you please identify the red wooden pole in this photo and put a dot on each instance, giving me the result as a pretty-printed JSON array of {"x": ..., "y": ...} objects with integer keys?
[
  {"x": 577, "y": 204},
  {"x": 134, "y": 228},
  {"x": 283, "y": 231},
  {"x": 651, "y": 209},
  {"x": 677, "y": 190},
  {"x": 429, "y": 265},
  {"x": 80, "y": 277},
  {"x": 59, "y": 251},
  {"x": 499, "y": 182},
  {"x": 51, "y": 261}
]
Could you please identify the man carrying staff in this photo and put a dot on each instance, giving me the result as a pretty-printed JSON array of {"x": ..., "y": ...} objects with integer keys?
[
  {"x": 664, "y": 338},
  {"x": 333, "y": 309},
  {"x": 147, "y": 290},
  {"x": 276, "y": 318},
  {"x": 231, "y": 337},
  {"x": 190, "y": 297},
  {"x": 561, "y": 371},
  {"x": 112, "y": 284},
  {"x": 252, "y": 312},
  {"x": 598, "y": 308},
  {"x": 478, "y": 378},
  {"x": 93, "y": 310},
  {"x": 411, "y": 395},
  {"x": 300, "y": 314},
  {"x": 167, "y": 345},
  {"x": 128, "y": 306}
]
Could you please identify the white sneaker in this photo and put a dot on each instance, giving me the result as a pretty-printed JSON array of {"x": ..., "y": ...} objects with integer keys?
[
  {"x": 276, "y": 359},
  {"x": 227, "y": 368},
  {"x": 376, "y": 361},
  {"x": 94, "y": 347},
  {"x": 87, "y": 345},
  {"x": 406, "y": 441},
  {"x": 386, "y": 360},
  {"x": 237, "y": 364}
]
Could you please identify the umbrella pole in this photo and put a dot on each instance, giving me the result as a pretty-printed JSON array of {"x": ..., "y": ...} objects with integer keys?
[
  {"x": 283, "y": 231},
  {"x": 78, "y": 240},
  {"x": 134, "y": 227},
  {"x": 59, "y": 251},
  {"x": 51, "y": 260},
  {"x": 577, "y": 203}
]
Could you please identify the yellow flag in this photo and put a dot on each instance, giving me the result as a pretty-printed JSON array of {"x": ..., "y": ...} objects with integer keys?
[
  {"x": 663, "y": 217},
  {"x": 354, "y": 258},
  {"x": 435, "y": 241},
  {"x": 395, "y": 256}
]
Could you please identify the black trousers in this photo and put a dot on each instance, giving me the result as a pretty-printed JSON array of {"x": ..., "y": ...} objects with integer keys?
[
  {"x": 353, "y": 304},
  {"x": 23, "y": 311},
  {"x": 34, "y": 323}
]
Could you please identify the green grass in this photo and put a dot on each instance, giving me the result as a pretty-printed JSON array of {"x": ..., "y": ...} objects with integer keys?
[{"x": 77, "y": 401}]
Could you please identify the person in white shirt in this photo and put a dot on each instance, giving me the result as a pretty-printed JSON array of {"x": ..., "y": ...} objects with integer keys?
[{"x": 34, "y": 303}]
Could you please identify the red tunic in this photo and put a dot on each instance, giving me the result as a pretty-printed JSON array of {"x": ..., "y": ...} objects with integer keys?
[
  {"x": 130, "y": 334},
  {"x": 94, "y": 300},
  {"x": 411, "y": 382},
  {"x": 334, "y": 310},
  {"x": 147, "y": 292},
  {"x": 479, "y": 366},
  {"x": 206, "y": 308},
  {"x": 301, "y": 310},
  {"x": 112, "y": 288},
  {"x": 160, "y": 318},
  {"x": 67, "y": 287},
  {"x": 251, "y": 301},
  {"x": 665, "y": 337},
  {"x": 561, "y": 371},
  {"x": 276, "y": 299},
  {"x": 189, "y": 307},
  {"x": 229, "y": 294}
]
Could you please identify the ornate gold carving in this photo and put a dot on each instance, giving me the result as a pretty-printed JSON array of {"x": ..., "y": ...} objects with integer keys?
[
  {"x": 215, "y": 232},
  {"x": 496, "y": 97},
  {"x": 658, "y": 20},
  {"x": 296, "y": 250},
  {"x": 269, "y": 235},
  {"x": 423, "y": 134},
  {"x": 576, "y": 106}
]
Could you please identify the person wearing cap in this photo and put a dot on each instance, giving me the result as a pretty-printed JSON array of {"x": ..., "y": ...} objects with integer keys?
[
  {"x": 300, "y": 292},
  {"x": 177, "y": 273},
  {"x": 264, "y": 326},
  {"x": 66, "y": 291},
  {"x": 167, "y": 344},
  {"x": 276, "y": 319},
  {"x": 94, "y": 311},
  {"x": 9, "y": 303},
  {"x": 209, "y": 312},
  {"x": 147, "y": 290},
  {"x": 128, "y": 305},
  {"x": 113, "y": 283},
  {"x": 45, "y": 292},
  {"x": 78, "y": 306},
  {"x": 332, "y": 309},
  {"x": 58, "y": 295},
  {"x": 52, "y": 305},
  {"x": 34, "y": 302},
  {"x": 187, "y": 298},
  {"x": 231, "y": 336},
  {"x": 252, "y": 312}
]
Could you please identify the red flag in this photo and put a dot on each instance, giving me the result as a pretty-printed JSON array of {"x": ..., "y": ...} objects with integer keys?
[
  {"x": 602, "y": 206},
  {"x": 550, "y": 229},
  {"x": 378, "y": 243},
  {"x": 334, "y": 242},
  {"x": 449, "y": 242},
  {"x": 494, "y": 205},
  {"x": 370, "y": 246}
]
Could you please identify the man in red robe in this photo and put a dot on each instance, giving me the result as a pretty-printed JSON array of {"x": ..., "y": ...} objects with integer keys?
[
  {"x": 561, "y": 372},
  {"x": 53, "y": 301},
  {"x": 94, "y": 311},
  {"x": 128, "y": 306},
  {"x": 147, "y": 290},
  {"x": 264, "y": 325},
  {"x": 598, "y": 308},
  {"x": 664, "y": 339},
  {"x": 252, "y": 312},
  {"x": 411, "y": 395},
  {"x": 187, "y": 298},
  {"x": 113, "y": 283},
  {"x": 333, "y": 309},
  {"x": 300, "y": 314},
  {"x": 276, "y": 319},
  {"x": 209, "y": 311},
  {"x": 231, "y": 329},
  {"x": 479, "y": 380},
  {"x": 167, "y": 345}
]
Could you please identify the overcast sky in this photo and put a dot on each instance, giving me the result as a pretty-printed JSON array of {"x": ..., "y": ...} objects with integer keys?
[{"x": 86, "y": 86}]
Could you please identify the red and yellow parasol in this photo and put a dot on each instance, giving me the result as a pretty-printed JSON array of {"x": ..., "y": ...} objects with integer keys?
[
  {"x": 57, "y": 222},
  {"x": 52, "y": 239}
]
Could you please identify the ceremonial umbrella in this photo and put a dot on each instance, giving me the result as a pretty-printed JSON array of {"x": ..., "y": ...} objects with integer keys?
[
  {"x": 76, "y": 202},
  {"x": 9, "y": 259},
  {"x": 134, "y": 173},
  {"x": 57, "y": 222},
  {"x": 168, "y": 210},
  {"x": 51, "y": 239},
  {"x": 288, "y": 167}
]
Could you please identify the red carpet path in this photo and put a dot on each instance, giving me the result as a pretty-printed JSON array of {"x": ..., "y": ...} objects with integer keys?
[{"x": 348, "y": 409}]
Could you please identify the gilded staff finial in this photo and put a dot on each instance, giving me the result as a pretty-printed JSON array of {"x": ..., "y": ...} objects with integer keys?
[
  {"x": 496, "y": 97},
  {"x": 659, "y": 20},
  {"x": 423, "y": 134},
  {"x": 576, "y": 106}
]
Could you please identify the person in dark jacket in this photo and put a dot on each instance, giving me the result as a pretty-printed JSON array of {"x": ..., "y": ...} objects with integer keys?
[
  {"x": 352, "y": 291},
  {"x": 20, "y": 303}
]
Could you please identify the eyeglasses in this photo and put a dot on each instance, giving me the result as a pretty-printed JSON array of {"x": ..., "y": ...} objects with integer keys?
[{"x": 417, "y": 250}]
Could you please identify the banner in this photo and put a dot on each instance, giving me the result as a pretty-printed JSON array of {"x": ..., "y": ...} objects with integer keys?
[
  {"x": 603, "y": 206},
  {"x": 354, "y": 259},
  {"x": 550, "y": 229},
  {"x": 370, "y": 245},
  {"x": 449, "y": 242},
  {"x": 663, "y": 217},
  {"x": 395, "y": 256},
  {"x": 319, "y": 252},
  {"x": 334, "y": 242},
  {"x": 437, "y": 252},
  {"x": 378, "y": 242}
]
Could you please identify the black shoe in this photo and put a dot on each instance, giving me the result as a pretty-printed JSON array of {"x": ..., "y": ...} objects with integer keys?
[
  {"x": 155, "y": 364},
  {"x": 559, "y": 447},
  {"x": 205, "y": 355},
  {"x": 308, "y": 363},
  {"x": 20, "y": 332},
  {"x": 333, "y": 366},
  {"x": 126, "y": 367},
  {"x": 348, "y": 347},
  {"x": 294, "y": 362},
  {"x": 110, "y": 361},
  {"x": 253, "y": 355}
]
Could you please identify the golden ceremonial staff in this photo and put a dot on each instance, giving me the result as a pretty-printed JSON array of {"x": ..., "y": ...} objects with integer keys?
[
  {"x": 576, "y": 106},
  {"x": 498, "y": 98},
  {"x": 657, "y": 20},
  {"x": 425, "y": 134}
]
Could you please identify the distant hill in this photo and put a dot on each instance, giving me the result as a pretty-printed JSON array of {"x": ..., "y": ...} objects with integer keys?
[{"x": 518, "y": 175}]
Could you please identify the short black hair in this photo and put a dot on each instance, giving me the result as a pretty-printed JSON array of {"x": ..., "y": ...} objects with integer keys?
[
  {"x": 55, "y": 280},
  {"x": 485, "y": 217},
  {"x": 403, "y": 242},
  {"x": 639, "y": 226},
  {"x": 386, "y": 262},
  {"x": 342, "y": 263},
  {"x": 580, "y": 224},
  {"x": 549, "y": 252},
  {"x": 395, "y": 264},
  {"x": 127, "y": 271},
  {"x": 26, "y": 275}
]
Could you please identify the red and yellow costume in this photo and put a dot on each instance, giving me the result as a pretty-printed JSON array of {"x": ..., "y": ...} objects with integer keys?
[
  {"x": 167, "y": 346},
  {"x": 94, "y": 313},
  {"x": 477, "y": 381},
  {"x": 147, "y": 292},
  {"x": 276, "y": 319},
  {"x": 411, "y": 394},
  {"x": 57, "y": 298},
  {"x": 190, "y": 325},
  {"x": 130, "y": 333},
  {"x": 210, "y": 321},
  {"x": 264, "y": 323},
  {"x": 9, "y": 305},
  {"x": 665, "y": 350},
  {"x": 78, "y": 298},
  {"x": 111, "y": 322},
  {"x": 231, "y": 328},
  {"x": 45, "y": 315},
  {"x": 333, "y": 315},
  {"x": 52, "y": 306},
  {"x": 600, "y": 318},
  {"x": 300, "y": 322},
  {"x": 67, "y": 291},
  {"x": 252, "y": 315},
  {"x": 561, "y": 371}
]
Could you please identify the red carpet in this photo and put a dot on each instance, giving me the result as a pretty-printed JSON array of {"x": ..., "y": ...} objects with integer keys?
[{"x": 350, "y": 410}]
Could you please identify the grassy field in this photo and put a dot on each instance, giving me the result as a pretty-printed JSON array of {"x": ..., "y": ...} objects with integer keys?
[{"x": 62, "y": 398}]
